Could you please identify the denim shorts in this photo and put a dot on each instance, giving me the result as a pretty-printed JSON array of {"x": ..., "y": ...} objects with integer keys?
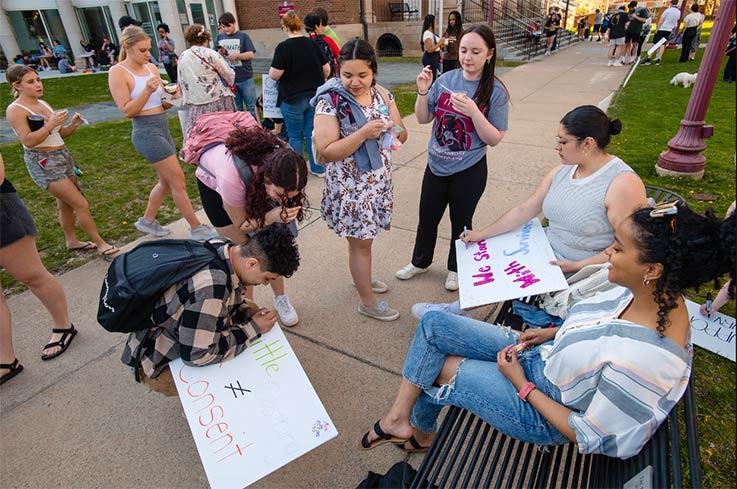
[
  {"x": 151, "y": 137},
  {"x": 46, "y": 167}
]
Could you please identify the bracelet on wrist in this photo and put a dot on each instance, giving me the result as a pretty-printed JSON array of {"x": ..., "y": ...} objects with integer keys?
[{"x": 421, "y": 94}]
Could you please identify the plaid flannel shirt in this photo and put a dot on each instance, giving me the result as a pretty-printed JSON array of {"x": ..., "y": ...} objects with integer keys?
[{"x": 203, "y": 320}]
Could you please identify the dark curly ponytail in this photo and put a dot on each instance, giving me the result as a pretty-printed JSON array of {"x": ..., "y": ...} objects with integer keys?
[{"x": 693, "y": 249}]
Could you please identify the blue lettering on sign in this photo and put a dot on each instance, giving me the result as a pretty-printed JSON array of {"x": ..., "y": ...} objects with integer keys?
[{"x": 524, "y": 241}]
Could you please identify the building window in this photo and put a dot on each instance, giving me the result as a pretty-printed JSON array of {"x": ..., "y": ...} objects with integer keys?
[
  {"x": 35, "y": 26},
  {"x": 96, "y": 23}
]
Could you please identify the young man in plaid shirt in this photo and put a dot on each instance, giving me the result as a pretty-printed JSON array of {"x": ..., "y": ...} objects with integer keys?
[{"x": 206, "y": 319}]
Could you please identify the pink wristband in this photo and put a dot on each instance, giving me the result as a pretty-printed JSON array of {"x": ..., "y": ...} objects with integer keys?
[{"x": 525, "y": 391}]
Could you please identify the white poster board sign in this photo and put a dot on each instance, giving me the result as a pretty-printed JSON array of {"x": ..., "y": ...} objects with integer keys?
[
  {"x": 270, "y": 93},
  {"x": 715, "y": 333},
  {"x": 251, "y": 414},
  {"x": 511, "y": 265}
]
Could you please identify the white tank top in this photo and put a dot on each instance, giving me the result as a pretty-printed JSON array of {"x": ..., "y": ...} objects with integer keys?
[
  {"x": 54, "y": 139},
  {"x": 154, "y": 100}
]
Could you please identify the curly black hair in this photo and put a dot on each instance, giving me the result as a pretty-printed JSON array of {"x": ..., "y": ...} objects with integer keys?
[
  {"x": 277, "y": 164},
  {"x": 275, "y": 249},
  {"x": 693, "y": 249}
]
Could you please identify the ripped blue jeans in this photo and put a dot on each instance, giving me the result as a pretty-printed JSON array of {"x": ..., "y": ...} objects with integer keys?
[{"x": 478, "y": 385}]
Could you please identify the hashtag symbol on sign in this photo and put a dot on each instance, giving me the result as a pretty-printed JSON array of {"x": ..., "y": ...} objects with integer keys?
[{"x": 237, "y": 389}]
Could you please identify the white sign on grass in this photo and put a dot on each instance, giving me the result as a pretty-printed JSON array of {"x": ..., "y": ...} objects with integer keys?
[
  {"x": 715, "y": 333},
  {"x": 270, "y": 93},
  {"x": 508, "y": 266},
  {"x": 251, "y": 414}
]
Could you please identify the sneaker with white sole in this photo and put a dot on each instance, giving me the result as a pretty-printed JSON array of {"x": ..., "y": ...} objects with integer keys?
[
  {"x": 380, "y": 311},
  {"x": 203, "y": 232},
  {"x": 451, "y": 281},
  {"x": 377, "y": 285},
  {"x": 152, "y": 227},
  {"x": 409, "y": 271},
  {"x": 422, "y": 308},
  {"x": 287, "y": 314}
]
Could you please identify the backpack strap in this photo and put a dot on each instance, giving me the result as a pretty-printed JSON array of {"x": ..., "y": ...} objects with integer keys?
[{"x": 244, "y": 170}]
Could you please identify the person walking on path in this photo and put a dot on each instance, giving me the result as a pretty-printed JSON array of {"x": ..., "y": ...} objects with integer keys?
[
  {"x": 166, "y": 52},
  {"x": 355, "y": 122},
  {"x": 41, "y": 130},
  {"x": 203, "y": 75},
  {"x": 136, "y": 87},
  {"x": 668, "y": 21},
  {"x": 598, "y": 17},
  {"x": 20, "y": 258},
  {"x": 237, "y": 48},
  {"x": 469, "y": 110}
]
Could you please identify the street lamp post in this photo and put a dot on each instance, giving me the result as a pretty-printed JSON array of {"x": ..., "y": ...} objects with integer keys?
[{"x": 684, "y": 158}]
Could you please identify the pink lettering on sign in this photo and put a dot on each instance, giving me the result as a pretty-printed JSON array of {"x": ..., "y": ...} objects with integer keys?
[
  {"x": 522, "y": 274},
  {"x": 485, "y": 275}
]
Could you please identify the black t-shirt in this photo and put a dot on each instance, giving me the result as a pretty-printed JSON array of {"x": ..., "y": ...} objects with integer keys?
[
  {"x": 302, "y": 61},
  {"x": 7, "y": 187},
  {"x": 618, "y": 24}
]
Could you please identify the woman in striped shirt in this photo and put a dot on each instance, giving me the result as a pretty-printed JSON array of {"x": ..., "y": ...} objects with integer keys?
[{"x": 605, "y": 379}]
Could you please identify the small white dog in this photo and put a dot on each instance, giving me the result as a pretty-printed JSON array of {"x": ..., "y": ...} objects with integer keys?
[{"x": 685, "y": 79}]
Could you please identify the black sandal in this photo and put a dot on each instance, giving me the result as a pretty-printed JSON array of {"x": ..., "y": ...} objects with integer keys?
[
  {"x": 70, "y": 331},
  {"x": 382, "y": 438},
  {"x": 15, "y": 369}
]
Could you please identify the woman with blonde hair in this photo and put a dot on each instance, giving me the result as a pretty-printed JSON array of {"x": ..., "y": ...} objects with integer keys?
[
  {"x": 201, "y": 75},
  {"x": 42, "y": 130},
  {"x": 136, "y": 87}
]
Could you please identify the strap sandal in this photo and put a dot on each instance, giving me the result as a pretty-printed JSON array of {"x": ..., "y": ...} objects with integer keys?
[
  {"x": 15, "y": 369},
  {"x": 70, "y": 332},
  {"x": 383, "y": 438},
  {"x": 415, "y": 448}
]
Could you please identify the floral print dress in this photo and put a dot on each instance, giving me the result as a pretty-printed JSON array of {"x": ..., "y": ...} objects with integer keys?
[{"x": 358, "y": 204}]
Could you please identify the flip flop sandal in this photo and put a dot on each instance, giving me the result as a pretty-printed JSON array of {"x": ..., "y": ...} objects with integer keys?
[
  {"x": 416, "y": 447},
  {"x": 383, "y": 438},
  {"x": 70, "y": 331},
  {"x": 110, "y": 251},
  {"x": 89, "y": 245},
  {"x": 15, "y": 369}
]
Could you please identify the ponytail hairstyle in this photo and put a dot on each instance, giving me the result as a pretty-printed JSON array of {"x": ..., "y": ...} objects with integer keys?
[
  {"x": 275, "y": 163},
  {"x": 693, "y": 250},
  {"x": 590, "y": 121},
  {"x": 15, "y": 74},
  {"x": 197, "y": 35},
  {"x": 482, "y": 97},
  {"x": 130, "y": 36}
]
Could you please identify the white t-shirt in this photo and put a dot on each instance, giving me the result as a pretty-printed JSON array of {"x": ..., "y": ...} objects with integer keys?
[
  {"x": 670, "y": 19},
  {"x": 433, "y": 39},
  {"x": 693, "y": 19}
]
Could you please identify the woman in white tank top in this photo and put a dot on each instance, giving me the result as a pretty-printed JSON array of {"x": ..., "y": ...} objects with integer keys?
[
  {"x": 48, "y": 160},
  {"x": 136, "y": 87}
]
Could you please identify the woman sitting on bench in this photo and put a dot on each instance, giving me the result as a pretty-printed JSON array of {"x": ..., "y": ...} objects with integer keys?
[{"x": 605, "y": 379}]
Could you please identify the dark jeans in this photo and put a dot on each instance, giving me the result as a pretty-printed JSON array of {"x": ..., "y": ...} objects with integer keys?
[
  {"x": 461, "y": 192},
  {"x": 171, "y": 70},
  {"x": 688, "y": 36},
  {"x": 433, "y": 60}
]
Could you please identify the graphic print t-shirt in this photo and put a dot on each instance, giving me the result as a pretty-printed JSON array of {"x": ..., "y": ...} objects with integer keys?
[
  {"x": 455, "y": 145},
  {"x": 239, "y": 42}
]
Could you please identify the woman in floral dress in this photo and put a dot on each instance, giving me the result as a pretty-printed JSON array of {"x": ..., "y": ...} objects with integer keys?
[{"x": 357, "y": 124}]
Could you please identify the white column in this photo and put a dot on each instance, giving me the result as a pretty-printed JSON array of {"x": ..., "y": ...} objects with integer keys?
[
  {"x": 229, "y": 6},
  {"x": 7, "y": 38},
  {"x": 170, "y": 17},
  {"x": 71, "y": 25},
  {"x": 117, "y": 10}
]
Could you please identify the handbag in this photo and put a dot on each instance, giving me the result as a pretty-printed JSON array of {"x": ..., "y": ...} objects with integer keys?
[{"x": 231, "y": 87}]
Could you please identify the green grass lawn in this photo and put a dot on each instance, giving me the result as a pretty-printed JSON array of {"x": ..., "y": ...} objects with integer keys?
[{"x": 651, "y": 110}]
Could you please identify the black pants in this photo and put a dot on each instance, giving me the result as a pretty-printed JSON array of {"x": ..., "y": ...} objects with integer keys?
[
  {"x": 171, "y": 70},
  {"x": 433, "y": 60},
  {"x": 688, "y": 36},
  {"x": 461, "y": 192},
  {"x": 729, "y": 69}
]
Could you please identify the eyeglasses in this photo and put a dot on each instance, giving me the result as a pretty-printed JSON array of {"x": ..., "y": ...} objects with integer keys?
[{"x": 665, "y": 209}]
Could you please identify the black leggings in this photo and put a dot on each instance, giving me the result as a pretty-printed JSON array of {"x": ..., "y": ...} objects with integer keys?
[
  {"x": 461, "y": 192},
  {"x": 688, "y": 36},
  {"x": 433, "y": 60}
]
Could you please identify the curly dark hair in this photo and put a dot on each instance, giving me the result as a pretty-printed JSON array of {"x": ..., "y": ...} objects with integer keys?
[
  {"x": 693, "y": 249},
  {"x": 277, "y": 164},
  {"x": 275, "y": 249}
]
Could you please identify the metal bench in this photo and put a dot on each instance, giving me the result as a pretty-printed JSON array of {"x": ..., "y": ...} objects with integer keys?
[
  {"x": 468, "y": 452},
  {"x": 400, "y": 8}
]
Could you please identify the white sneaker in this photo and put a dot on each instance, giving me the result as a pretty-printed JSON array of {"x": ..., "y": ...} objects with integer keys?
[
  {"x": 451, "y": 281},
  {"x": 408, "y": 272},
  {"x": 616, "y": 63},
  {"x": 422, "y": 308},
  {"x": 610, "y": 63},
  {"x": 380, "y": 311},
  {"x": 318, "y": 174},
  {"x": 203, "y": 232},
  {"x": 153, "y": 228},
  {"x": 377, "y": 285},
  {"x": 287, "y": 315}
]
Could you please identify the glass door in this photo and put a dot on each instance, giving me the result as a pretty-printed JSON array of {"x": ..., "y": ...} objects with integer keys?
[{"x": 149, "y": 14}]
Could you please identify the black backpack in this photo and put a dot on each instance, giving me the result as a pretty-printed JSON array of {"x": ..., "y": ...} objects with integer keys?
[
  {"x": 325, "y": 48},
  {"x": 135, "y": 280}
]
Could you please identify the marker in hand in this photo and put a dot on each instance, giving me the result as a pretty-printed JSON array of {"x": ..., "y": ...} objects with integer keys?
[
  {"x": 517, "y": 348},
  {"x": 708, "y": 304},
  {"x": 465, "y": 235}
]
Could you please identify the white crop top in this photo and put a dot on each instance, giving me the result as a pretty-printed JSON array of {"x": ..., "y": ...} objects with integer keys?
[
  {"x": 54, "y": 139},
  {"x": 154, "y": 100}
]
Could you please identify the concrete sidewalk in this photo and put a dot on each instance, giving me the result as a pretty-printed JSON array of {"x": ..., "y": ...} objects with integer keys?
[{"x": 81, "y": 420}]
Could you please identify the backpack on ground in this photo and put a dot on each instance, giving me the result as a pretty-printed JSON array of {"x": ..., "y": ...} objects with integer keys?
[
  {"x": 212, "y": 129},
  {"x": 136, "y": 280},
  {"x": 327, "y": 51}
]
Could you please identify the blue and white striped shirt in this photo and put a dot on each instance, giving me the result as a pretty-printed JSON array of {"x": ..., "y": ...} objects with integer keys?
[{"x": 620, "y": 378}]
